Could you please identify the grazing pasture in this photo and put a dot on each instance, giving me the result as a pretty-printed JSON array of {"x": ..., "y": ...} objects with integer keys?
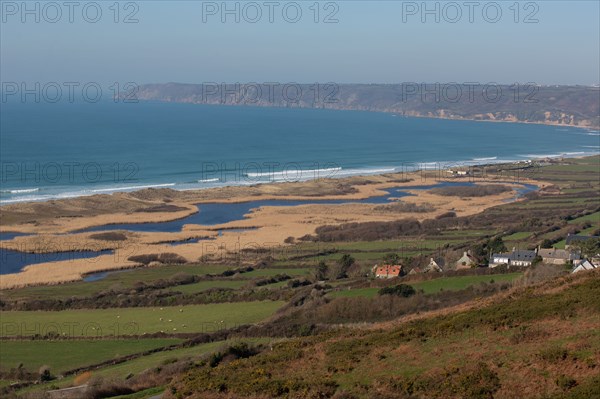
[
  {"x": 435, "y": 285},
  {"x": 136, "y": 321},
  {"x": 63, "y": 355}
]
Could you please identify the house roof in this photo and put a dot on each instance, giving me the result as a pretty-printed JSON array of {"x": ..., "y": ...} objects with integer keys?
[
  {"x": 584, "y": 265},
  {"x": 434, "y": 265},
  {"x": 467, "y": 255},
  {"x": 554, "y": 253},
  {"x": 438, "y": 261},
  {"x": 571, "y": 238},
  {"x": 388, "y": 269},
  {"x": 523, "y": 255},
  {"x": 520, "y": 255}
]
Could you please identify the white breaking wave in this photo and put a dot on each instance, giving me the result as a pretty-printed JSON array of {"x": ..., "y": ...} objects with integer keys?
[
  {"x": 485, "y": 159},
  {"x": 34, "y": 198},
  {"x": 24, "y": 195},
  {"x": 560, "y": 155},
  {"x": 540, "y": 156},
  {"x": 309, "y": 174},
  {"x": 112, "y": 189},
  {"x": 20, "y": 191},
  {"x": 366, "y": 171},
  {"x": 295, "y": 173}
]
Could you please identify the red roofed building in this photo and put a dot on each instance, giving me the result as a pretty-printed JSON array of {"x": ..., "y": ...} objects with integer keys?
[{"x": 388, "y": 271}]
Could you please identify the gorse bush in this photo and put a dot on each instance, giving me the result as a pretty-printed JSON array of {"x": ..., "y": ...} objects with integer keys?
[
  {"x": 402, "y": 290},
  {"x": 167, "y": 258},
  {"x": 400, "y": 207},
  {"x": 232, "y": 352},
  {"x": 109, "y": 236},
  {"x": 471, "y": 191}
]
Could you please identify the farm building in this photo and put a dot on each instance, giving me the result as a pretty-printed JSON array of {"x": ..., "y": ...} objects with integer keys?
[
  {"x": 557, "y": 256},
  {"x": 388, "y": 271}
]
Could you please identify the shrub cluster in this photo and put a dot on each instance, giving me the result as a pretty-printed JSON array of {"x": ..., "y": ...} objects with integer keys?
[
  {"x": 399, "y": 207},
  {"x": 166, "y": 258},
  {"x": 109, "y": 236},
  {"x": 480, "y": 190},
  {"x": 402, "y": 290}
]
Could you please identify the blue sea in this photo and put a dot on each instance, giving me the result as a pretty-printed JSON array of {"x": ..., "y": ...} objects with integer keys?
[{"x": 67, "y": 150}]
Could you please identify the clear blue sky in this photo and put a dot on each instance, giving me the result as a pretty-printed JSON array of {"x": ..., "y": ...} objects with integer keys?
[{"x": 370, "y": 43}]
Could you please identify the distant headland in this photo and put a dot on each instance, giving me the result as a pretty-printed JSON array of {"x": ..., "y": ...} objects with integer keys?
[{"x": 577, "y": 106}]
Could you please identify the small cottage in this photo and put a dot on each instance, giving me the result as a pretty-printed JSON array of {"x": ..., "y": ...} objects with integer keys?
[
  {"x": 583, "y": 265},
  {"x": 557, "y": 256},
  {"x": 521, "y": 258},
  {"x": 466, "y": 261},
  {"x": 388, "y": 271},
  {"x": 434, "y": 266}
]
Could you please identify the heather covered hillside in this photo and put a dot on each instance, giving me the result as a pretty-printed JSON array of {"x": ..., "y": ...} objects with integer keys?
[{"x": 539, "y": 341}]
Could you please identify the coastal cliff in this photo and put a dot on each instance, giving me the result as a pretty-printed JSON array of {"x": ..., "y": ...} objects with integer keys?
[{"x": 553, "y": 105}]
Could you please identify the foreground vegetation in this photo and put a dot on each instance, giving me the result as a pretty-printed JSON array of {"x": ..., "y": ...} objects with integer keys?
[{"x": 536, "y": 343}]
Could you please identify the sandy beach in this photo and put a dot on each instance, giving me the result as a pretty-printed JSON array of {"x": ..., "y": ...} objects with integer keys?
[{"x": 54, "y": 224}]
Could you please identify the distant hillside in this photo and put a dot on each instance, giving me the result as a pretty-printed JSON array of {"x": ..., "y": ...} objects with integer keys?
[{"x": 556, "y": 105}]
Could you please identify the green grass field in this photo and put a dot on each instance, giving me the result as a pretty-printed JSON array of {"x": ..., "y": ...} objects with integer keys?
[
  {"x": 208, "y": 284},
  {"x": 303, "y": 271},
  {"x": 523, "y": 235},
  {"x": 136, "y": 321},
  {"x": 121, "y": 279},
  {"x": 593, "y": 218},
  {"x": 142, "y": 363},
  {"x": 372, "y": 256},
  {"x": 433, "y": 286},
  {"x": 61, "y": 356},
  {"x": 383, "y": 246},
  {"x": 122, "y": 370}
]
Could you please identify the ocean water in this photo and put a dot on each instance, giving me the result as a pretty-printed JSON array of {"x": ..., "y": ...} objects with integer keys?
[{"x": 66, "y": 150}]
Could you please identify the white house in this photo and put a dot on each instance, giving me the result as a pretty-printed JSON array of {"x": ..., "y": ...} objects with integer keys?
[
  {"x": 466, "y": 261},
  {"x": 434, "y": 266},
  {"x": 583, "y": 265},
  {"x": 519, "y": 258}
]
